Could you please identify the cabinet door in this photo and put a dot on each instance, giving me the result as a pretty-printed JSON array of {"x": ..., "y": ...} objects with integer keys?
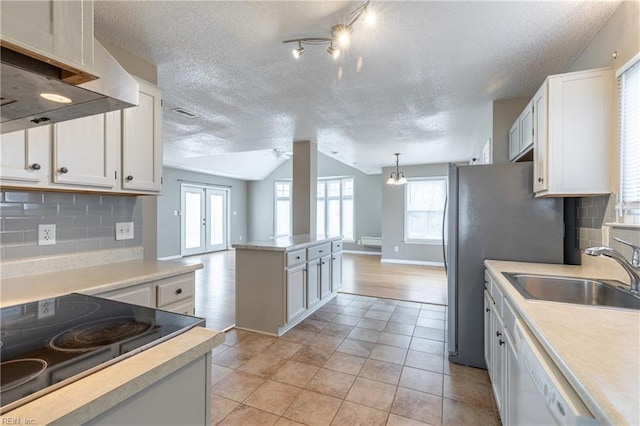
[
  {"x": 142, "y": 141},
  {"x": 83, "y": 151},
  {"x": 514, "y": 140},
  {"x": 61, "y": 31},
  {"x": 336, "y": 271},
  {"x": 510, "y": 374},
  {"x": 23, "y": 155},
  {"x": 313, "y": 282},
  {"x": 296, "y": 297},
  {"x": 526, "y": 128},
  {"x": 540, "y": 142},
  {"x": 488, "y": 307},
  {"x": 497, "y": 358},
  {"x": 137, "y": 295},
  {"x": 325, "y": 276}
]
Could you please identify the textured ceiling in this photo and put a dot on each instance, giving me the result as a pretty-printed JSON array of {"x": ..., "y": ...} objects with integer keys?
[{"x": 420, "y": 82}]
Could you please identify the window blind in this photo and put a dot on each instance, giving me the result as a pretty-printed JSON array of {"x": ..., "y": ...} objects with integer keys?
[{"x": 629, "y": 137}]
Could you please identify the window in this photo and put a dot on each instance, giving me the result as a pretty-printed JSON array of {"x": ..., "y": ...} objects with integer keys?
[
  {"x": 335, "y": 209},
  {"x": 424, "y": 209},
  {"x": 282, "y": 208},
  {"x": 629, "y": 137}
]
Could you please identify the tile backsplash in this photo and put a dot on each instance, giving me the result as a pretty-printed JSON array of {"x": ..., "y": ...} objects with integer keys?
[
  {"x": 592, "y": 213},
  {"x": 83, "y": 222}
]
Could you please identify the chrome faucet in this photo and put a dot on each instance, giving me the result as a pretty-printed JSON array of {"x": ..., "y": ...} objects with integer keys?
[{"x": 632, "y": 268}]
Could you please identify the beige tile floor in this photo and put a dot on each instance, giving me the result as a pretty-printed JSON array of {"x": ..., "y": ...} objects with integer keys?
[{"x": 357, "y": 361}]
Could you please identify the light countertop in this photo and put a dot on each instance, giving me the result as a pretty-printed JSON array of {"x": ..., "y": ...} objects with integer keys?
[
  {"x": 597, "y": 349},
  {"x": 89, "y": 280},
  {"x": 87, "y": 398},
  {"x": 290, "y": 243}
]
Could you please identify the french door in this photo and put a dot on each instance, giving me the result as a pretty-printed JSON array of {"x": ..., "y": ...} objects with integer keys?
[{"x": 205, "y": 220}]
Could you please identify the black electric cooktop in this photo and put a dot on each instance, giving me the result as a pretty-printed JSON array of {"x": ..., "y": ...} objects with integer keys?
[{"x": 47, "y": 344}]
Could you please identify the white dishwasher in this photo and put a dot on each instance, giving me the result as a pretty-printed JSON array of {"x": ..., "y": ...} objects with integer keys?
[{"x": 539, "y": 393}]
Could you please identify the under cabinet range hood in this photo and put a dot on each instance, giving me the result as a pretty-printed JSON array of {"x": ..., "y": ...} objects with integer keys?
[{"x": 24, "y": 79}]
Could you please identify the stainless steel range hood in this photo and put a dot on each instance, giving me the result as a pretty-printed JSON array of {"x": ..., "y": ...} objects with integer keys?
[{"x": 23, "y": 79}]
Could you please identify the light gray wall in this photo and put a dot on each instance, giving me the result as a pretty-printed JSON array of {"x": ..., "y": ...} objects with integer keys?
[
  {"x": 368, "y": 201},
  {"x": 83, "y": 222},
  {"x": 168, "y": 231},
  {"x": 393, "y": 217}
]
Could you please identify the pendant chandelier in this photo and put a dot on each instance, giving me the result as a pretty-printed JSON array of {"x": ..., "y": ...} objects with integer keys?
[{"x": 397, "y": 177}]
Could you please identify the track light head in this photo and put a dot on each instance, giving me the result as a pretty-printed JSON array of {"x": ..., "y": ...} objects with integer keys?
[
  {"x": 299, "y": 51},
  {"x": 342, "y": 34},
  {"x": 335, "y": 53}
]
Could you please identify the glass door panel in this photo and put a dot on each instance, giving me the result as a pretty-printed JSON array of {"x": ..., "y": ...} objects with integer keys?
[
  {"x": 217, "y": 219},
  {"x": 193, "y": 220}
]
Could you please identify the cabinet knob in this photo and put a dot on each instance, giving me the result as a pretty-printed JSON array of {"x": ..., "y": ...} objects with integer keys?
[
  {"x": 129, "y": 177},
  {"x": 320, "y": 251},
  {"x": 297, "y": 257},
  {"x": 179, "y": 291},
  {"x": 540, "y": 180},
  {"x": 323, "y": 263},
  {"x": 501, "y": 342},
  {"x": 498, "y": 334},
  {"x": 63, "y": 170},
  {"x": 487, "y": 310},
  {"x": 35, "y": 166}
]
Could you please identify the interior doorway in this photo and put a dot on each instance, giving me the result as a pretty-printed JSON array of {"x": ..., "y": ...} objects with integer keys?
[{"x": 205, "y": 219}]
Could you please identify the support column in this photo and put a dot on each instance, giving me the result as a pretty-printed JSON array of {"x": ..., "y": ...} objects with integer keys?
[{"x": 305, "y": 187}]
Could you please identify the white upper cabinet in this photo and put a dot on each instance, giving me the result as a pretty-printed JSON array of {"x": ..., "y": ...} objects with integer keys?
[
  {"x": 24, "y": 156},
  {"x": 521, "y": 135},
  {"x": 142, "y": 141},
  {"x": 83, "y": 151},
  {"x": 60, "y": 32},
  {"x": 572, "y": 133}
]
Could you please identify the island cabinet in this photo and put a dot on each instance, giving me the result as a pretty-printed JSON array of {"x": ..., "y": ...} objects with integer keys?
[{"x": 280, "y": 282}]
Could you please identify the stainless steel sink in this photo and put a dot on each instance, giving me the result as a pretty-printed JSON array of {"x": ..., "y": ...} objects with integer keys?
[{"x": 580, "y": 291}]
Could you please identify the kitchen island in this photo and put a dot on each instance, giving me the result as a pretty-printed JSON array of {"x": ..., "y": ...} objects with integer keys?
[
  {"x": 595, "y": 348},
  {"x": 281, "y": 282}
]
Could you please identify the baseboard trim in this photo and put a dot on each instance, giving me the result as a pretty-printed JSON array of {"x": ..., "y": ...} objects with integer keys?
[
  {"x": 177, "y": 256},
  {"x": 412, "y": 262},
  {"x": 368, "y": 253}
]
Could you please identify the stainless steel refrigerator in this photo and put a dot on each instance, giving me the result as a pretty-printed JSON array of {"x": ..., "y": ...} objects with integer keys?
[{"x": 492, "y": 214}]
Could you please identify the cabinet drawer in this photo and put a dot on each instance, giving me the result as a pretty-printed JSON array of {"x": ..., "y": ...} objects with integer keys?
[
  {"x": 336, "y": 246},
  {"x": 496, "y": 293},
  {"x": 318, "y": 251},
  {"x": 184, "y": 307},
  {"x": 296, "y": 257},
  {"x": 170, "y": 290},
  {"x": 509, "y": 315}
]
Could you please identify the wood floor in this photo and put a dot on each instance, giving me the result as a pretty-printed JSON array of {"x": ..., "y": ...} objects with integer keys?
[{"x": 362, "y": 274}]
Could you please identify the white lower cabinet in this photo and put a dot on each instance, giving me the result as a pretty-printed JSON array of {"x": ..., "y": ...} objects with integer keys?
[
  {"x": 336, "y": 270},
  {"x": 175, "y": 294},
  {"x": 495, "y": 345},
  {"x": 141, "y": 294},
  {"x": 296, "y": 283},
  {"x": 325, "y": 277},
  {"x": 313, "y": 283}
]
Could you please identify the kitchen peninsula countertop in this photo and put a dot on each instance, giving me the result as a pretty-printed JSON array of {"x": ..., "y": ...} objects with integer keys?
[
  {"x": 88, "y": 279},
  {"x": 290, "y": 243},
  {"x": 597, "y": 349},
  {"x": 85, "y": 399}
]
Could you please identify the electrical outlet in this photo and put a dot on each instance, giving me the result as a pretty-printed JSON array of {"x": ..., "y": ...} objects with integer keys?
[
  {"x": 46, "y": 308},
  {"x": 124, "y": 231},
  {"x": 396, "y": 249},
  {"x": 240, "y": 239},
  {"x": 46, "y": 235}
]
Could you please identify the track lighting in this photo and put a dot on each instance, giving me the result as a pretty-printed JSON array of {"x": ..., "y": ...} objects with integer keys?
[
  {"x": 299, "y": 51},
  {"x": 397, "y": 177},
  {"x": 340, "y": 33}
]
